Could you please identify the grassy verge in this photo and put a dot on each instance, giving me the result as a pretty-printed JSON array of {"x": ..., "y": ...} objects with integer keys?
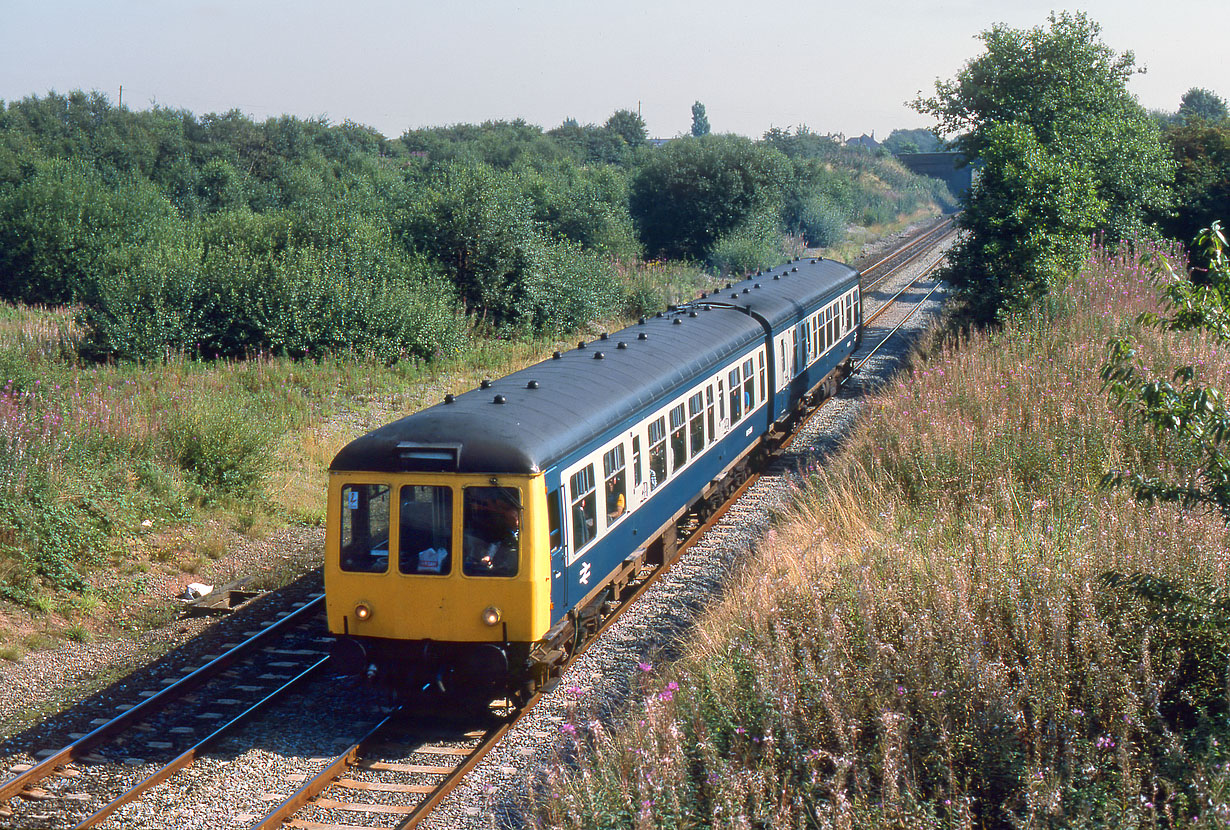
[
  {"x": 929, "y": 641},
  {"x": 114, "y": 475}
]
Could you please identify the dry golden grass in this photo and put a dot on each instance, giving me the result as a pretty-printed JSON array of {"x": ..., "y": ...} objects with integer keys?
[{"x": 927, "y": 640}]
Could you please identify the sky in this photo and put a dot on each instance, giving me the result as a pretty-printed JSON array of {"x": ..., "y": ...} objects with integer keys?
[{"x": 843, "y": 68}]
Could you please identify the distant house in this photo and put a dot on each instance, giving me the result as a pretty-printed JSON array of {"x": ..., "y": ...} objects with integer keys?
[{"x": 864, "y": 140}]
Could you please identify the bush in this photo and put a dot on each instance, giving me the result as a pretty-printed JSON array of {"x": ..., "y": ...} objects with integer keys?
[
  {"x": 822, "y": 224},
  {"x": 757, "y": 243},
  {"x": 226, "y": 449},
  {"x": 693, "y": 191}
]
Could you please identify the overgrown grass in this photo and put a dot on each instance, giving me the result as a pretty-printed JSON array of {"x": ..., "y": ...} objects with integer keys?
[{"x": 928, "y": 641}]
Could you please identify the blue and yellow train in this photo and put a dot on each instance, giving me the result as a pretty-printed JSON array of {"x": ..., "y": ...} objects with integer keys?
[{"x": 470, "y": 545}]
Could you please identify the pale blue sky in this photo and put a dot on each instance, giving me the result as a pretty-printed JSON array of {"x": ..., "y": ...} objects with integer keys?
[{"x": 837, "y": 67}]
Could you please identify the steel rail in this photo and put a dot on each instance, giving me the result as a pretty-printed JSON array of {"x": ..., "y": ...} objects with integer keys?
[
  {"x": 914, "y": 257},
  {"x": 186, "y": 758},
  {"x": 82, "y": 746},
  {"x": 893, "y": 330},
  {"x": 889, "y": 302},
  {"x": 284, "y": 812},
  {"x": 922, "y": 238},
  {"x": 281, "y": 813}
]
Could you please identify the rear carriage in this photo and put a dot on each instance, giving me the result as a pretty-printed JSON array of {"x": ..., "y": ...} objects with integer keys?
[{"x": 469, "y": 544}]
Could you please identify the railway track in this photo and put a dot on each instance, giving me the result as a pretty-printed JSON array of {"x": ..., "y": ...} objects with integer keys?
[
  {"x": 357, "y": 782},
  {"x": 81, "y": 783},
  {"x": 397, "y": 771}
]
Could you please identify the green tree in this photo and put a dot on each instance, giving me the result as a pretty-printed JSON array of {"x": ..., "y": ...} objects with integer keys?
[
  {"x": 693, "y": 191},
  {"x": 1028, "y": 217},
  {"x": 1070, "y": 89},
  {"x": 1201, "y": 152},
  {"x": 629, "y": 126},
  {"x": 700, "y": 121},
  {"x": 1203, "y": 104}
]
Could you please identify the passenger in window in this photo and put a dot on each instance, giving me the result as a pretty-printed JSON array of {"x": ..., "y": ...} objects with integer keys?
[{"x": 615, "y": 503}]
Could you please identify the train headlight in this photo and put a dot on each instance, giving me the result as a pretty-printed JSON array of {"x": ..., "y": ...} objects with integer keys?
[
  {"x": 363, "y": 612},
  {"x": 491, "y": 615}
]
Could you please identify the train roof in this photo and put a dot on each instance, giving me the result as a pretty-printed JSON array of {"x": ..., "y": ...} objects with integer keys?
[{"x": 533, "y": 418}]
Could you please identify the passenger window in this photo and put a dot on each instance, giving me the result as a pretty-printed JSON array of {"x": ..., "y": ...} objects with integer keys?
[
  {"x": 709, "y": 406},
  {"x": 637, "y": 476},
  {"x": 696, "y": 423},
  {"x": 736, "y": 411},
  {"x": 492, "y": 531},
  {"x": 760, "y": 364},
  {"x": 616, "y": 483},
  {"x": 816, "y": 349},
  {"x": 584, "y": 512},
  {"x": 679, "y": 441},
  {"x": 721, "y": 396},
  {"x": 749, "y": 386},
  {"x": 657, "y": 453},
  {"x": 832, "y": 326},
  {"x": 365, "y": 528},
  {"x": 425, "y": 537}
]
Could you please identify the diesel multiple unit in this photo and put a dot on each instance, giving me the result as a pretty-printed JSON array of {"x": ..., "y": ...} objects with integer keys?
[{"x": 470, "y": 544}]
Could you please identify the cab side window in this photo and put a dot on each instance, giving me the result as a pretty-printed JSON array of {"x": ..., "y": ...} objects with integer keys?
[{"x": 365, "y": 528}]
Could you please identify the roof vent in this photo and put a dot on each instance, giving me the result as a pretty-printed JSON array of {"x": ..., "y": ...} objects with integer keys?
[
  {"x": 660, "y": 314},
  {"x": 581, "y": 345},
  {"x": 603, "y": 336},
  {"x": 795, "y": 268},
  {"x": 642, "y": 336},
  {"x": 734, "y": 296},
  {"x": 641, "y": 321},
  {"x": 678, "y": 321},
  {"x": 484, "y": 384},
  {"x": 556, "y": 356},
  {"x": 533, "y": 384},
  {"x": 598, "y": 355},
  {"x": 703, "y": 295},
  {"x": 757, "y": 285},
  {"x": 691, "y": 313},
  {"x": 449, "y": 398},
  {"x": 747, "y": 291},
  {"x": 622, "y": 345},
  {"x": 500, "y": 399},
  {"x": 777, "y": 276},
  {"x": 730, "y": 285}
]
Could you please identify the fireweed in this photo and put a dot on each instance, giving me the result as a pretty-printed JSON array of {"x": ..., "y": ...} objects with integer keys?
[{"x": 926, "y": 640}]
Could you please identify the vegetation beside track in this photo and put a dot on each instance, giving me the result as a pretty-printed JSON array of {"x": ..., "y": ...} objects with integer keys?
[{"x": 928, "y": 640}]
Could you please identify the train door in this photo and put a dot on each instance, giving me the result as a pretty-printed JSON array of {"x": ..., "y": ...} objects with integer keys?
[{"x": 559, "y": 550}]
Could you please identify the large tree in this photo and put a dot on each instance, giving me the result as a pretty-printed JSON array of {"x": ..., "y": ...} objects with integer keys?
[
  {"x": 1062, "y": 144},
  {"x": 1202, "y": 104},
  {"x": 700, "y": 121},
  {"x": 1070, "y": 89}
]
